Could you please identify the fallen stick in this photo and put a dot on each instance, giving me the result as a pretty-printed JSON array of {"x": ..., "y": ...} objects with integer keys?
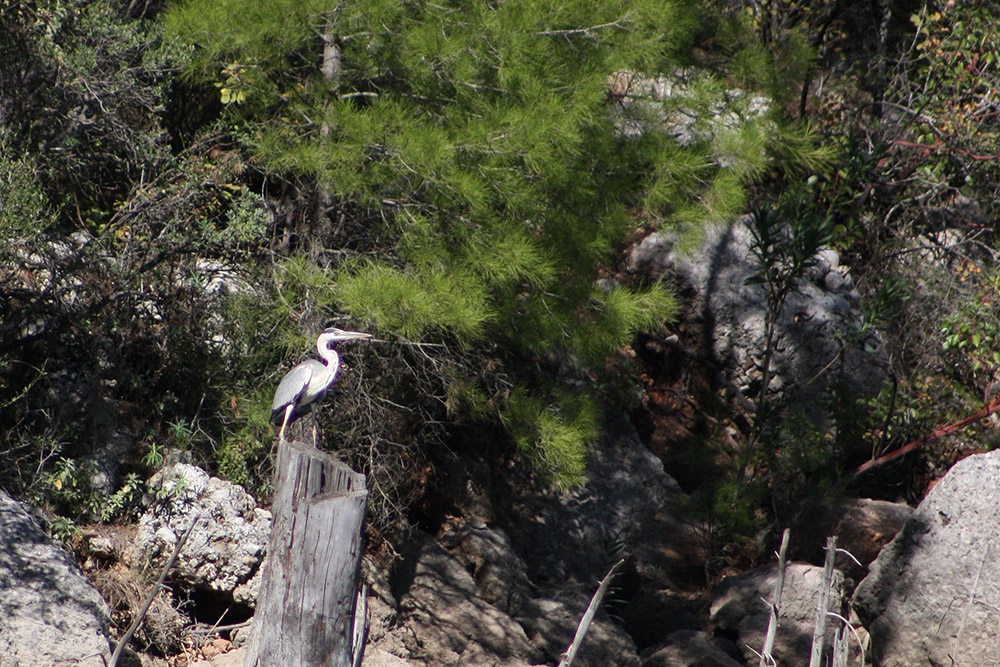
[{"x": 152, "y": 595}]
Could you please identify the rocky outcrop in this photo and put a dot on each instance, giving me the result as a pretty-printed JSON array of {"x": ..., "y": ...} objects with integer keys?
[
  {"x": 739, "y": 610},
  {"x": 551, "y": 624},
  {"x": 691, "y": 648},
  {"x": 487, "y": 554},
  {"x": 438, "y": 616},
  {"x": 376, "y": 657},
  {"x": 663, "y": 105},
  {"x": 863, "y": 527},
  {"x": 49, "y": 613},
  {"x": 227, "y": 547},
  {"x": 933, "y": 594},
  {"x": 820, "y": 334},
  {"x": 627, "y": 505},
  {"x": 467, "y": 596},
  {"x": 441, "y": 608}
]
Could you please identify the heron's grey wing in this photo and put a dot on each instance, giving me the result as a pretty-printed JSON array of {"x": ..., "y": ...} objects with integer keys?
[{"x": 291, "y": 387}]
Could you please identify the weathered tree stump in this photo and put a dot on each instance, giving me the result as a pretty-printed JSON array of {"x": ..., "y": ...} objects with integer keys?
[{"x": 306, "y": 607}]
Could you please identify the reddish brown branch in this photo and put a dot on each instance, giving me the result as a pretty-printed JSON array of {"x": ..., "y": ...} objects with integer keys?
[{"x": 994, "y": 406}]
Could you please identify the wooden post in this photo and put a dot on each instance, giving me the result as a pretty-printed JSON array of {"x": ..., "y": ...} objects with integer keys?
[{"x": 305, "y": 610}]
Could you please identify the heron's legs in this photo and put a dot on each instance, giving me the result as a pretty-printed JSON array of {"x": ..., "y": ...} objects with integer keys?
[{"x": 284, "y": 422}]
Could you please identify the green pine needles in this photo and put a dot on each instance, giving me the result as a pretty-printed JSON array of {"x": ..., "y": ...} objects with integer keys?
[{"x": 484, "y": 137}]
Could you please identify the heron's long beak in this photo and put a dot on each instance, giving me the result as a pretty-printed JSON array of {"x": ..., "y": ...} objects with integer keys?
[{"x": 340, "y": 334}]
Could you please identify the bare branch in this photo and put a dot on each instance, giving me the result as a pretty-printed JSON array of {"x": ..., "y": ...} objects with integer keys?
[
  {"x": 822, "y": 604},
  {"x": 619, "y": 23},
  {"x": 588, "y": 617},
  {"x": 152, "y": 594},
  {"x": 775, "y": 605}
]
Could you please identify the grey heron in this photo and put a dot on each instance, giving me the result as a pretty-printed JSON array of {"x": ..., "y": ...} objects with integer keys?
[{"x": 307, "y": 382}]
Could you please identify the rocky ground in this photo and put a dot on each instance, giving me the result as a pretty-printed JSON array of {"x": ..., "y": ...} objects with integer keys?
[
  {"x": 503, "y": 576},
  {"x": 472, "y": 595}
]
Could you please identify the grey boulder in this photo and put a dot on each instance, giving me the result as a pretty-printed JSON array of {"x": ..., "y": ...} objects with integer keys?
[
  {"x": 227, "y": 546},
  {"x": 739, "y": 610},
  {"x": 933, "y": 594},
  {"x": 442, "y": 618},
  {"x": 689, "y": 648},
  {"x": 50, "y": 614}
]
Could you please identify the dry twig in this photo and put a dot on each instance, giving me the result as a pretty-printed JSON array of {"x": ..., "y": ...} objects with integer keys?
[
  {"x": 588, "y": 617},
  {"x": 152, "y": 595},
  {"x": 766, "y": 660}
]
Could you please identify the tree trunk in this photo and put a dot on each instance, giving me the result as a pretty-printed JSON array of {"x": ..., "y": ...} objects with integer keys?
[{"x": 306, "y": 607}]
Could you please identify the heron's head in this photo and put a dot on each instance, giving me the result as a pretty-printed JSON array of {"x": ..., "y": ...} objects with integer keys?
[{"x": 335, "y": 335}]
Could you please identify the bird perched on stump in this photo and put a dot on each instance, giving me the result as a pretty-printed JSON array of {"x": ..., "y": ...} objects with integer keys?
[{"x": 307, "y": 382}]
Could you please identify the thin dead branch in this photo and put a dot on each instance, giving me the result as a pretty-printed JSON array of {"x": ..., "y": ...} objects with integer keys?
[
  {"x": 152, "y": 594},
  {"x": 581, "y": 631},
  {"x": 994, "y": 406},
  {"x": 823, "y": 604},
  {"x": 766, "y": 659}
]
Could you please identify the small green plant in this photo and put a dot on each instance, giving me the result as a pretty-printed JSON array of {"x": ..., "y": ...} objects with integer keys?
[
  {"x": 171, "y": 488},
  {"x": 66, "y": 488},
  {"x": 63, "y": 529},
  {"x": 785, "y": 242},
  {"x": 153, "y": 458},
  {"x": 24, "y": 207},
  {"x": 845, "y": 191},
  {"x": 124, "y": 500},
  {"x": 731, "y": 518},
  {"x": 804, "y": 460},
  {"x": 68, "y": 491},
  {"x": 181, "y": 432}
]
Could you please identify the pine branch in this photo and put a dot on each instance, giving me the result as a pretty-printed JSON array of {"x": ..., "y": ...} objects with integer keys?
[{"x": 619, "y": 23}]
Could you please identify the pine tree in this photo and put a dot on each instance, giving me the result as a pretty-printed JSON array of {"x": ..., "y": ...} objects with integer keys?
[{"x": 486, "y": 142}]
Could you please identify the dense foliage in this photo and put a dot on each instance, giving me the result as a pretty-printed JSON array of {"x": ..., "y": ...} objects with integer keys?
[
  {"x": 477, "y": 143},
  {"x": 187, "y": 194}
]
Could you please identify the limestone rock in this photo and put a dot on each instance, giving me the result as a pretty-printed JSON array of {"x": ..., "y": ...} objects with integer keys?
[
  {"x": 551, "y": 625},
  {"x": 863, "y": 527},
  {"x": 933, "y": 594},
  {"x": 738, "y": 609},
  {"x": 689, "y": 648},
  {"x": 499, "y": 572},
  {"x": 662, "y": 104},
  {"x": 225, "y": 551},
  {"x": 627, "y": 503},
  {"x": 234, "y": 658},
  {"x": 443, "y": 619},
  {"x": 49, "y": 613},
  {"x": 729, "y": 316},
  {"x": 376, "y": 657}
]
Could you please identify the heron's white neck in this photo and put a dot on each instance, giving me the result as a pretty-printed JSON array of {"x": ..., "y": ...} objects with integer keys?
[{"x": 328, "y": 355}]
